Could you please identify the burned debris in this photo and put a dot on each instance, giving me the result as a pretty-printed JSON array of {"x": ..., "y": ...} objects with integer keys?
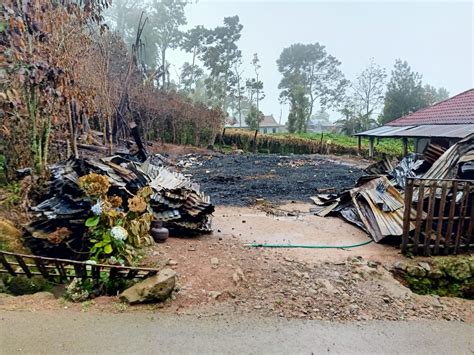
[
  {"x": 437, "y": 210},
  {"x": 58, "y": 227}
]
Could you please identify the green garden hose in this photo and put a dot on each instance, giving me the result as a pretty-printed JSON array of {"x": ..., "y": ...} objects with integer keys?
[{"x": 256, "y": 245}]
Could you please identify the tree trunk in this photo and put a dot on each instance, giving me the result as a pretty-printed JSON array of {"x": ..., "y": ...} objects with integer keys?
[{"x": 163, "y": 64}]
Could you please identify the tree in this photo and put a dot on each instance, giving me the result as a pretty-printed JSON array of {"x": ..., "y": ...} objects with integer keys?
[
  {"x": 189, "y": 75},
  {"x": 238, "y": 91},
  {"x": 433, "y": 95},
  {"x": 166, "y": 17},
  {"x": 315, "y": 74},
  {"x": 254, "y": 117},
  {"x": 404, "y": 94},
  {"x": 193, "y": 42},
  {"x": 220, "y": 55},
  {"x": 299, "y": 108},
  {"x": 369, "y": 87}
]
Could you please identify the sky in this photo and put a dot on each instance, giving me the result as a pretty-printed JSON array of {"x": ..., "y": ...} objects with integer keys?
[{"x": 436, "y": 38}]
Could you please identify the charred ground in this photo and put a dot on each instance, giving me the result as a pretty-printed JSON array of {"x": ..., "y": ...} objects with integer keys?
[{"x": 240, "y": 179}]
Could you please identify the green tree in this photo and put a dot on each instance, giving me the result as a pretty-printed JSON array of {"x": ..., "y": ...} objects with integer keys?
[
  {"x": 299, "y": 108},
  {"x": 165, "y": 19},
  {"x": 308, "y": 70},
  {"x": 188, "y": 77},
  {"x": 193, "y": 42},
  {"x": 433, "y": 95},
  {"x": 254, "y": 117},
  {"x": 404, "y": 94},
  {"x": 219, "y": 55}
]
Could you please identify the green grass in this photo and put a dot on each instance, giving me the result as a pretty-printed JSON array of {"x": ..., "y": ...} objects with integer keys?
[{"x": 388, "y": 146}]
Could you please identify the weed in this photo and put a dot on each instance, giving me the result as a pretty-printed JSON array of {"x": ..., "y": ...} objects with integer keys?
[
  {"x": 121, "y": 307},
  {"x": 86, "y": 305}
]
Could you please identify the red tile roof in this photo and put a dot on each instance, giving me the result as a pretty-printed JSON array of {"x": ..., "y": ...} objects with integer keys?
[{"x": 458, "y": 109}]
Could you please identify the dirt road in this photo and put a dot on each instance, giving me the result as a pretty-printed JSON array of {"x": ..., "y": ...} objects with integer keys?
[{"x": 63, "y": 333}]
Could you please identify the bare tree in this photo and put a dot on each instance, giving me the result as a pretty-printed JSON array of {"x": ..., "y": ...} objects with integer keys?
[{"x": 369, "y": 88}]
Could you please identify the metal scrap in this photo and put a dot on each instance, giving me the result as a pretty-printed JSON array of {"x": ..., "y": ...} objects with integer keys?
[
  {"x": 176, "y": 201},
  {"x": 376, "y": 204}
]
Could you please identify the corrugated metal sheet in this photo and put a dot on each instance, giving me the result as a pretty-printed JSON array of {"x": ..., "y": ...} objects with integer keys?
[{"x": 421, "y": 131}]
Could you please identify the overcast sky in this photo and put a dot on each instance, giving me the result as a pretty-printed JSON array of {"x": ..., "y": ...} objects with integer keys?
[{"x": 436, "y": 38}]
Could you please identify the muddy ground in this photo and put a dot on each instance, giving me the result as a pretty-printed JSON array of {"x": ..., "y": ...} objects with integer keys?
[{"x": 239, "y": 180}]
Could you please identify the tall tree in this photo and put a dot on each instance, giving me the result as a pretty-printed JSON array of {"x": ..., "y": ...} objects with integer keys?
[
  {"x": 220, "y": 55},
  {"x": 311, "y": 69},
  {"x": 193, "y": 42},
  {"x": 404, "y": 94},
  {"x": 369, "y": 87},
  {"x": 238, "y": 91},
  {"x": 433, "y": 95},
  {"x": 166, "y": 17},
  {"x": 188, "y": 77}
]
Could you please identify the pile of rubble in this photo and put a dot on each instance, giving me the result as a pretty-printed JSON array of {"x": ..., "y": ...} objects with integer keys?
[
  {"x": 376, "y": 203},
  {"x": 176, "y": 201}
]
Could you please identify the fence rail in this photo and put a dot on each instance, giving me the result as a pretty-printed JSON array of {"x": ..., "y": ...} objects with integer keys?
[
  {"x": 444, "y": 218},
  {"x": 49, "y": 268}
]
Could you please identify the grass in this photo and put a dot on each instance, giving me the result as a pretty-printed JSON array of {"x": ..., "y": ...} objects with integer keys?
[{"x": 388, "y": 146}]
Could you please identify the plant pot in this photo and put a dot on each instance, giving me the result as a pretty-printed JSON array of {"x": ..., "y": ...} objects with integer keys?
[{"x": 158, "y": 232}]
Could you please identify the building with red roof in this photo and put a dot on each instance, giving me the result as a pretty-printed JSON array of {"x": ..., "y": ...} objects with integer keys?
[{"x": 443, "y": 123}]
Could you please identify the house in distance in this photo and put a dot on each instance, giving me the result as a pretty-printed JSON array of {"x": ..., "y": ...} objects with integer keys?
[{"x": 267, "y": 125}]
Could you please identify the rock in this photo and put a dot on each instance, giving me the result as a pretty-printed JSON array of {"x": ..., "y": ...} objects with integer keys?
[
  {"x": 435, "y": 273},
  {"x": 214, "y": 261},
  {"x": 459, "y": 270},
  {"x": 425, "y": 266},
  {"x": 214, "y": 294},
  {"x": 286, "y": 258},
  {"x": 172, "y": 262},
  {"x": 154, "y": 289},
  {"x": 238, "y": 276},
  {"x": 400, "y": 265},
  {"x": 326, "y": 285},
  {"x": 416, "y": 271}
]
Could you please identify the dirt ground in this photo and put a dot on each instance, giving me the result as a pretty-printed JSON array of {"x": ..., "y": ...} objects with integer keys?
[{"x": 221, "y": 274}]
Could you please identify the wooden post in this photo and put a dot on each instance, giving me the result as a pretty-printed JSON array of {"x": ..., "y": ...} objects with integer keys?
[
  {"x": 405, "y": 146},
  {"x": 371, "y": 147},
  {"x": 255, "y": 142},
  {"x": 359, "y": 144}
]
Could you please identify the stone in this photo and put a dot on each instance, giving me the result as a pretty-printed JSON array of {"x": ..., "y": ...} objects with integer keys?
[
  {"x": 214, "y": 261},
  {"x": 326, "y": 285},
  {"x": 154, "y": 289},
  {"x": 459, "y": 270},
  {"x": 400, "y": 265},
  {"x": 435, "y": 273},
  {"x": 416, "y": 271},
  {"x": 214, "y": 294},
  {"x": 172, "y": 262},
  {"x": 425, "y": 266}
]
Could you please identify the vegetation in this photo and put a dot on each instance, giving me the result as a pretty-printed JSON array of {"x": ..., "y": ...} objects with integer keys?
[
  {"x": 309, "y": 143},
  {"x": 310, "y": 76}
]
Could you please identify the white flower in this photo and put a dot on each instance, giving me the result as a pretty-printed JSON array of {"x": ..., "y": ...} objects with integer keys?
[
  {"x": 119, "y": 233},
  {"x": 91, "y": 262},
  {"x": 97, "y": 208}
]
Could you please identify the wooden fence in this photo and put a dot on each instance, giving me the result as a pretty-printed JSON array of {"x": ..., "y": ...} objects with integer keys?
[
  {"x": 62, "y": 269},
  {"x": 444, "y": 219}
]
